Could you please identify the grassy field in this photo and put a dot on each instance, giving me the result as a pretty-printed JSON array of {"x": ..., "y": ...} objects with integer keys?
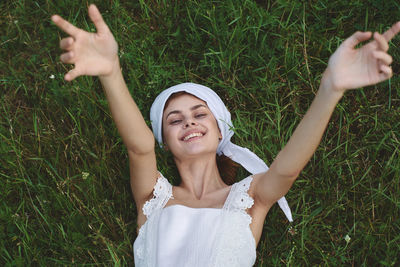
[{"x": 64, "y": 177}]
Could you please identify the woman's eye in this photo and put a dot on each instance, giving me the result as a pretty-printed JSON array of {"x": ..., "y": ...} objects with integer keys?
[
  {"x": 201, "y": 115},
  {"x": 175, "y": 121}
]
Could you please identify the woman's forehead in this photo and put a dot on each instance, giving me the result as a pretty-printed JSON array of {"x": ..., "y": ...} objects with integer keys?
[{"x": 183, "y": 102}]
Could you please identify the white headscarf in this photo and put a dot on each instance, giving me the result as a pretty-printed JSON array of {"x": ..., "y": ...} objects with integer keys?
[{"x": 250, "y": 161}]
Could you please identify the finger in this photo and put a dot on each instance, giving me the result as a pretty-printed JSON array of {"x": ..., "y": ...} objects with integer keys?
[
  {"x": 67, "y": 58},
  {"x": 72, "y": 74},
  {"x": 356, "y": 38},
  {"x": 66, "y": 43},
  {"x": 97, "y": 19},
  {"x": 386, "y": 71},
  {"x": 382, "y": 43},
  {"x": 65, "y": 25},
  {"x": 389, "y": 34},
  {"x": 384, "y": 57}
]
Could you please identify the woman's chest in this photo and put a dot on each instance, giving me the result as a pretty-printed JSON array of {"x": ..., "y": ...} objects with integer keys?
[{"x": 215, "y": 200}]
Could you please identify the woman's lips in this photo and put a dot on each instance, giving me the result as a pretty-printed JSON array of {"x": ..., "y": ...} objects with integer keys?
[{"x": 192, "y": 135}]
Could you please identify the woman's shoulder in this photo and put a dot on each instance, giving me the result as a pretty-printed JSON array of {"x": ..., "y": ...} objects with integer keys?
[{"x": 162, "y": 192}]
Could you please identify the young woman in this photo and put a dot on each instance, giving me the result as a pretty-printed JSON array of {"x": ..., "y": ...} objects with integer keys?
[{"x": 204, "y": 221}]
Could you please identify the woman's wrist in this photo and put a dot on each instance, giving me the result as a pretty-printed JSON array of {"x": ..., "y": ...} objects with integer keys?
[
  {"x": 330, "y": 87},
  {"x": 115, "y": 71}
]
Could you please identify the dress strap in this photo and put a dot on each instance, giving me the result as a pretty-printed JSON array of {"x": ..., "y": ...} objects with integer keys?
[
  {"x": 238, "y": 198},
  {"x": 162, "y": 192}
]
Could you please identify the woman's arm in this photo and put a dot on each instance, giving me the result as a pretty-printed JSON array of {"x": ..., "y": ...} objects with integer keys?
[
  {"x": 97, "y": 54},
  {"x": 348, "y": 68}
]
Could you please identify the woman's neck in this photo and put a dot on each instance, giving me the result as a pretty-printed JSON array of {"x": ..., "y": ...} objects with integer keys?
[{"x": 200, "y": 176}]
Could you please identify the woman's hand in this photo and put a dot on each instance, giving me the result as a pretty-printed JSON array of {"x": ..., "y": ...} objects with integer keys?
[
  {"x": 93, "y": 54},
  {"x": 351, "y": 68}
]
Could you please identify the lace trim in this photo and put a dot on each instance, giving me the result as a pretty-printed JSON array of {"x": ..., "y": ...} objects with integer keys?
[
  {"x": 140, "y": 249},
  {"x": 161, "y": 194},
  {"x": 240, "y": 200}
]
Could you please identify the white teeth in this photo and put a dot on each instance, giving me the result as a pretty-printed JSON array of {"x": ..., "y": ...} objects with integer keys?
[{"x": 191, "y": 136}]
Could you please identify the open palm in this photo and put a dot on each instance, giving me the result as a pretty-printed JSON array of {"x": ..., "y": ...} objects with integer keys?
[
  {"x": 352, "y": 68},
  {"x": 91, "y": 53}
]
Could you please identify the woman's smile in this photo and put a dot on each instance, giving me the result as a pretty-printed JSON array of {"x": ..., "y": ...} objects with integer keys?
[{"x": 192, "y": 136}]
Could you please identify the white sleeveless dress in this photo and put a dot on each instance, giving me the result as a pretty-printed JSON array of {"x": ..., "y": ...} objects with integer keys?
[{"x": 177, "y": 235}]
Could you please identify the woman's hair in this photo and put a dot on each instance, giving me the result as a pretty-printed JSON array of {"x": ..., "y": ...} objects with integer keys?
[{"x": 227, "y": 168}]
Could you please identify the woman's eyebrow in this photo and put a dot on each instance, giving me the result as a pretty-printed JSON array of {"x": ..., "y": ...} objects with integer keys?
[
  {"x": 197, "y": 106},
  {"x": 192, "y": 108}
]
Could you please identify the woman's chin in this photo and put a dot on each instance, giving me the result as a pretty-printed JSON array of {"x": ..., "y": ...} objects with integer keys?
[{"x": 195, "y": 150}]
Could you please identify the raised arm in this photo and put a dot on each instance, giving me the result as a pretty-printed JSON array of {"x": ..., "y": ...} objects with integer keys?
[
  {"x": 96, "y": 54},
  {"x": 348, "y": 68}
]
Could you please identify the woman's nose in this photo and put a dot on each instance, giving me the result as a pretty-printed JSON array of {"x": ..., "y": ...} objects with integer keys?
[{"x": 189, "y": 123}]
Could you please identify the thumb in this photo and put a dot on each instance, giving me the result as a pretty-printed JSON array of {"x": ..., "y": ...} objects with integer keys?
[
  {"x": 357, "y": 38},
  {"x": 71, "y": 75},
  {"x": 97, "y": 19}
]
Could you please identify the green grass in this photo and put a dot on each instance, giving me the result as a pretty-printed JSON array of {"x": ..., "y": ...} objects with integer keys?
[{"x": 64, "y": 177}]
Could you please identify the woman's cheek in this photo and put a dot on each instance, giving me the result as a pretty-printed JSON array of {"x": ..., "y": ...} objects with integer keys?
[{"x": 171, "y": 135}]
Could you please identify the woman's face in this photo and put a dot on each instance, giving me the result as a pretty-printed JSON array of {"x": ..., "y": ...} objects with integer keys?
[{"x": 189, "y": 127}]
